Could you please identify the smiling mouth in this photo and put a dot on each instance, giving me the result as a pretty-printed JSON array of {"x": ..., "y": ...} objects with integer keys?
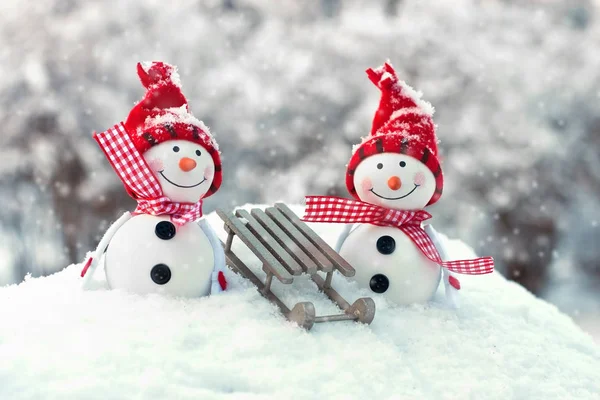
[
  {"x": 181, "y": 186},
  {"x": 395, "y": 198}
]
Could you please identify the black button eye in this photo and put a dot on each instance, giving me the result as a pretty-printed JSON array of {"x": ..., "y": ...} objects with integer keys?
[
  {"x": 379, "y": 166},
  {"x": 175, "y": 149},
  {"x": 402, "y": 164},
  {"x": 198, "y": 153}
]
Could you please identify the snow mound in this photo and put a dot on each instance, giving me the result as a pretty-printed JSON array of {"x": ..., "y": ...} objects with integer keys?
[{"x": 57, "y": 341}]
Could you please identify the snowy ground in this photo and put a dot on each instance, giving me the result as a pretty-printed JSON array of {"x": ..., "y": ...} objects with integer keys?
[{"x": 58, "y": 342}]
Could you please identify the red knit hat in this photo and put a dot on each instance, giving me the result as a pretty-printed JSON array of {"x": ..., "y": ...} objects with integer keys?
[
  {"x": 403, "y": 124},
  {"x": 163, "y": 115}
]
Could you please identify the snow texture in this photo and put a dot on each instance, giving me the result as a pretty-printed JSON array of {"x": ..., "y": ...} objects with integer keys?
[
  {"x": 58, "y": 342},
  {"x": 180, "y": 115},
  {"x": 423, "y": 107}
]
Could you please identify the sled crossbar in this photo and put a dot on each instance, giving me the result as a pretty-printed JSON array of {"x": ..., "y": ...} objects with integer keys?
[{"x": 287, "y": 247}]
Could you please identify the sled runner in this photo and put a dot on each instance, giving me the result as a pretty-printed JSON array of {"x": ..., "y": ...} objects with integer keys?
[{"x": 287, "y": 247}]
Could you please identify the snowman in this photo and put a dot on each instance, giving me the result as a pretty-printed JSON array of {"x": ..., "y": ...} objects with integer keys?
[
  {"x": 168, "y": 162},
  {"x": 393, "y": 175}
]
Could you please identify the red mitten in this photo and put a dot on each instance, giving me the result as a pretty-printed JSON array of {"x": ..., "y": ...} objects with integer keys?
[
  {"x": 454, "y": 282},
  {"x": 222, "y": 280},
  {"x": 86, "y": 266}
]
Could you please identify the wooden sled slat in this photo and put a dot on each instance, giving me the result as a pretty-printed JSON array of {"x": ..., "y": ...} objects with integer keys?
[
  {"x": 340, "y": 264},
  {"x": 323, "y": 263},
  {"x": 269, "y": 261},
  {"x": 270, "y": 243},
  {"x": 286, "y": 242}
]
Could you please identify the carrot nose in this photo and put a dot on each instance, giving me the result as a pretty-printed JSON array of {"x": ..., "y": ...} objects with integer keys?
[
  {"x": 394, "y": 183},
  {"x": 187, "y": 164}
]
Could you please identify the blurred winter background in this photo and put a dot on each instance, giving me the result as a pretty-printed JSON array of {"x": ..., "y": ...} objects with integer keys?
[{"x": 516, "y": 85}]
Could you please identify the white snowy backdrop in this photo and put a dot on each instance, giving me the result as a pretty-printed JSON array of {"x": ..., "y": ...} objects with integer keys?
[{"x": 516, "y": 85}]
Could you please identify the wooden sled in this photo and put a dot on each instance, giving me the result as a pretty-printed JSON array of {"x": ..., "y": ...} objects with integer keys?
[{"x": 287, "y": 247}]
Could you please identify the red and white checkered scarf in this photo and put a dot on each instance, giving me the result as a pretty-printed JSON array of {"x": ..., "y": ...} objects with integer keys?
[
  {"x": 336, "y": 209},
  {"x": 141, "y": 183}
]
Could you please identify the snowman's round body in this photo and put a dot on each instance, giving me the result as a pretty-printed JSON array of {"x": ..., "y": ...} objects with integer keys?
[
  {"x": 148, "y": 254},
  {"x": 388, "y": 262}
]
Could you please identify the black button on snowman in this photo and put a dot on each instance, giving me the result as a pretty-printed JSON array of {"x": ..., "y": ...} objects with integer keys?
[
  {"x": 386, "y": 245},
  {"x": 165, "y": 230},
  {"x": 168, "y": 161},
  {"x": 379, "y": 283},
  {"x": 160, "y": 274}
]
